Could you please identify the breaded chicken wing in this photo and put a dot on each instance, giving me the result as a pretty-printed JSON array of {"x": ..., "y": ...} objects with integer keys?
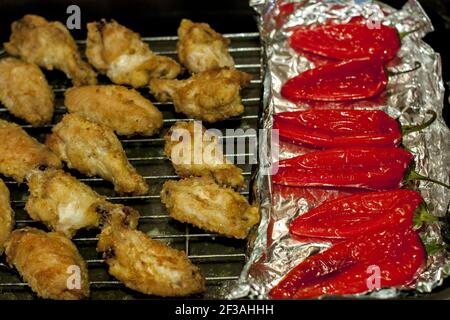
[
  {"x": 195, "y": 152},
  {"x": 120, "y": 53},
  {"x": 211, "y": 96},
  {"x": 203, "y": 203},
  {"x": 93, "y": 149},
  {"x": 49, "y": 45},
  {"x": 124, "y": 110},
  {"x": 62, "y": 202},
  {"x": 49, "y": 262},
  {"x": 147, "y": 265},
  {"x": 200, "y": 48},
  {"x": 6, "y": 216},
  {"x": 118, "y": 214},
  {"x": 66, "y": 205},
  {"x": 25, "y": 92},
  {"x": 20, "y": 153}
]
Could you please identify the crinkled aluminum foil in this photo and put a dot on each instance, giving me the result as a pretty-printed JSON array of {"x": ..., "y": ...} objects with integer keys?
[{"x": 408, "y": 97}]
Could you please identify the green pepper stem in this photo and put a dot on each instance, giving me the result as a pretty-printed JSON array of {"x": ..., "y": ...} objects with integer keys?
[
  {"x": 407, "y": 129},
  {"x": 417, "y": 65},
  {"x": 405, "y": 33},
  {"x": 413, "y": 175},
  {"x": 421, "y": 215}
]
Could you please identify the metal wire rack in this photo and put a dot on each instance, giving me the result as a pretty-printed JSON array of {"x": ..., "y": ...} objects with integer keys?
[{"x": 221, "y": 259}]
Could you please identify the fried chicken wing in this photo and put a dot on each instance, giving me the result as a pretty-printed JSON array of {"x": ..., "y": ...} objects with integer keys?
[
  {"x": 66, "y": 205},
  {"x": 6, "y": 216},
  {"x": 49, "y": 45},
  {"x": 124, "y": 110},
  {"x": 20, "y": 153},
  {"x": 147, "y": 265},
  {"x": 48, "y": 262},
  {"x": 25, "y": 92},
  {"x": 200, "y": 48},
  {"x": 211, "y": 95},
  {"x": 120, "y": 53},
  {"x": 195, "y": 152},
  {"x": 203, "y": 203},
  {"x": 118, "y": 214},
  {"x": 94, "y": 149},
  {"x": 62, "y": 202}
]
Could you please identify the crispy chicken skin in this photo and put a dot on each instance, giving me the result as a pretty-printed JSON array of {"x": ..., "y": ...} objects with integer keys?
[
  {"x": 211, "y": 95},
  {"x": 66, "y": 205},
  {"x": 118, "y": 214},
  {"x": 147, "y": 265},
  {"x": 25, "y": 92},
  {"x": 120, "y": 53},
  {"x": 49, "y": 45},
  {"x": 124, "y": 110},
  {"x": 62, "y": 202},
  {"x": 6, "y": 216},
  {"x": 47, "y": 261},
  {"x": 203, "y": 203},
  {"x": 200, "y": 48},
  {"x": 207, "y": 161},
  {"x": 20, "y": 153},
  {"x": 93, "y": 149}
]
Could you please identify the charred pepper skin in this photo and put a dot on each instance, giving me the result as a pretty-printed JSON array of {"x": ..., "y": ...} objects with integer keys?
[
  {"x": 345, "y": 268},
  {"x": 347, "y": 41},
  {"x": 355, "y": 215},
  {"x": 364, "y": 168},
  {"x": 325, "y": 129},
  {"x": 348, "y": 80}
]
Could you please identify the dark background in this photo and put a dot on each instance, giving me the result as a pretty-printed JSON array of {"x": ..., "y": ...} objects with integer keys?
[{"x": 162, "y": 17}]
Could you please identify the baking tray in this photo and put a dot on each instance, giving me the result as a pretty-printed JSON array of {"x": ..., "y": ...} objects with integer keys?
[{"x": 220, "y": 259}]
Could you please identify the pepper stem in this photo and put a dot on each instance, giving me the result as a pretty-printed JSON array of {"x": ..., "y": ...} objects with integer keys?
[
  {"x": 413, "y": 175},
  {"x": 407, "y": 129},
  {"x": 417, "y": 65},
  {"x": 422, "y": 215},
  {"x": 405, "y": 33}
]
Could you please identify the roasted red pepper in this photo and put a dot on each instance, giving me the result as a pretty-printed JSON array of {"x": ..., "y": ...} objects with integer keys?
[
  {"x": 355, "y": 215},
  {"x": 326, "y": 129},
  {"x": 367, "y": 168},
  {"x": 347, "y": 41},
  {"x": 347, "y": 80},
  {"x": 345, "y": 267},
  {"x": 338, "y": 128}
]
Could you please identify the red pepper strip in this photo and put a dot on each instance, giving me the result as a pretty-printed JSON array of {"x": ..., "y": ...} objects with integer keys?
[
  {"x": 367, "y": 168},
  {"x": 338, "y": 128},
  {"x": 354, "y": 215},
  {"x": 347, "y": 80},
  {"x": 347, "y": 41},
  {"x": 343, "y": 269}
]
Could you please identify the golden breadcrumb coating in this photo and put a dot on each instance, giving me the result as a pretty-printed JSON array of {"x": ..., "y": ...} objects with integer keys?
[
  {"x": 49, "y": 45},
  {"x": 147, "y": 265},
  {"x": 21, "y": 153},
  {"x": 210, "y": 96},
  {"x": 203, "y": 203},
  {"x": 123, "y": 110},
  {"x": 94, "y": 149},
  {"x": 25, "y": 92},
  {"x": 6, "y": 216},
  {"x": 200, "y": 48},
  {"x": 62, "y": 202},
  {"x": 120, "y": 53},
  {"x": 198, "y": 154},
  {"x": 47, "y": 262}
]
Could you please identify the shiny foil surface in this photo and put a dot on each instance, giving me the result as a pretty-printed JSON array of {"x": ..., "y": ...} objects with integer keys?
[{"x": 408, "y": 97}]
